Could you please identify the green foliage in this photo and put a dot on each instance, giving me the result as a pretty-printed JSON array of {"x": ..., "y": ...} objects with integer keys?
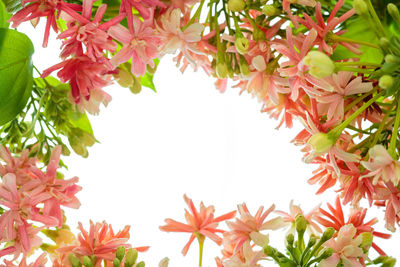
[
  {"x": 16, "y": 67},
  {"x": 12, "y": 6},
  {"x": 4, "y": 16},
  {"x": 359, "y": 30}
]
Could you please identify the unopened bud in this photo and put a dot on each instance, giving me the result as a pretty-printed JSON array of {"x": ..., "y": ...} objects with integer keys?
[
  {"x": 360, "y": 7},
  {"x": 75, "y": 262},
  {"x": 290, "y": 239},
  {"x": 312, "y": 241},
  {"x": 120, "y": 253},
  {"x": 116, "y": 262},
  {"x": 392, "y": 59},
  {"x": 222, "y": 70},
  {"x": 258, "y": 35},
  {"x": 329, "y": 232},
  {"x": 131, "y": 257},
  {"x": 87, "y": 262},
  {"x": 321, "y": 65},
  {"x": 136, "y": 87},
  {"x": 326, "y": 253},
  {"x": 124, "y": 78},
  {"x": 269, "y": 251},
  {"x": 269, "y": 10},
  {"x": 241, "y": 44},
  {"x": 141, "y": 264},
  {"x": 394, "y": 12},
  {"x": 236, "y": 5},
  {"x": 366, "y": 240},
  {"x": 164, "y": 262},
  {"x": 244, "y": 66},
  {"x": 301, "y": 224},
  {"x": 386, "y": 81},
  {"x": 384, "y": 42},
  {"x": 321, "y": 143}
]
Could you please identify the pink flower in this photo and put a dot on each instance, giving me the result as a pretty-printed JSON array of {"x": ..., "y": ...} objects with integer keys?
[
  {"x": 55, "y": 192},
  {"x": 326, "y": 29},
  {"x": 243, "y": 227},
  {"x": 43, "y": 8},
  {"x": 286, "y": 8},
  {"x": 248, "y": 259},
  {"x": 289, "y": 219},
  {"x": 199, "y": 223},
  {"x": 336, "y": 88},
  {"x": 346, "y": 248},
  {"x": 87, "y": 78},
  {"x": 381, "y": 166},
  {"x": 141, "y": 45},
  {"x": 100, "y": 241},
  {"x": 174, "y": 38},
  {"x": 39, "y": 262},
  {"x": 22, "y": 206},
  {"x": 336, "y": 220},
  {"x": 92, "y": 34}
]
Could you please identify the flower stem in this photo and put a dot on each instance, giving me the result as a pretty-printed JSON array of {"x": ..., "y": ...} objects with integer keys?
[
  {"x": 195, "y": 16},
  {"x": 337, "y": 38},
  {"x": 351, "y": 69},
  {"x": 355, "y": 63},
  {"x": 393, "y": 139},
  {"x": 339, "y": 129},
  {"x": 201, "y": 239},
  {"x": 375, "y": 17},
  {"x": 358, "y": 100}
]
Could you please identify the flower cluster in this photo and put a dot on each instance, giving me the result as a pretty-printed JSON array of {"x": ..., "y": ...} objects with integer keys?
[
  {"x": 29, "y": 196},
  {"x": 334, "y": 240}
]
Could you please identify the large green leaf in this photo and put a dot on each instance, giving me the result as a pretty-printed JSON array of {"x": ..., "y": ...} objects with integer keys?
[
  {"x": 12, "y": 6},
  {"x": 81, "y": 121},
  {"x": 16, "y": 80},
  {"x": 4, "y": 16},
  {"x": 359, "y": 29}
]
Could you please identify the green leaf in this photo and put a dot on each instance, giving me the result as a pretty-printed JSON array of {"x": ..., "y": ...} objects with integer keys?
[
  {"x": 12, "y": 6},
  {"x": 147, "y": 79},
  {"x": 16, "y": 67},
  {"x": 358, "y": 29},
  {"x": 4, "y": 16},
  {"x": 81, "y": 121}
]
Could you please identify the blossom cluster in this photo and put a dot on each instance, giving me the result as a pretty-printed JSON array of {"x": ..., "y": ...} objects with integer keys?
[
  {"x": 331, "y": 65},
  {"x": 335, "y": 239}
]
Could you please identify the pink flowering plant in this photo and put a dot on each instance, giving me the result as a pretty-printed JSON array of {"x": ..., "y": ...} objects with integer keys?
[{"x": 334, "y": 66}]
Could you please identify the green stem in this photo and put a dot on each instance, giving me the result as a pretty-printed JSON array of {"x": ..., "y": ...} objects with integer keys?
[
  {"x": 339, "y": 129},
  {"x": 393, "y": 139},
  {"x": 358, "y": 100},
  {"x": 355, "y": 63},
  {"x": 375, "y": 17},
  {"x": 337, "y": 38},
  {"x": 351, "y": 69},
  {"x": 201, "y": 239},
  {"x": 195, "y": 16},
  {"x": 382, "y": 125}
]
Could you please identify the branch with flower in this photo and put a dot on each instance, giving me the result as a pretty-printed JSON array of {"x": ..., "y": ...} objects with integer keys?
[{"x": 332, "y": 65}]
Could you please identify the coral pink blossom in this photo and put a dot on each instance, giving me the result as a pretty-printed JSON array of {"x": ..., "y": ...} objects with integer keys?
[
  {"x": 84, "y": 31},
  {"x": 248, "y": 258},
  {"x": 200, "y": 222},
  {"x": 326, "y": 29},
  {"x": 21, "y": 206},
  {"x": 39, "y": 262},
  {"x": 141, "y": 45},
  {"x": 43, "y": 8},
  {"x": 336, "y": 220},
  {"x": 381, "y": 166},
  {"x": 286, "y": 7},
  {"x": 174, "y": 38},
  {"x": 100, "y": 241},
  {"x": 289, "y": 219},
  {"x": 87, "y": 78},
  {"x": 346, "y": 248},
  {"x": 243, "y": 227}
]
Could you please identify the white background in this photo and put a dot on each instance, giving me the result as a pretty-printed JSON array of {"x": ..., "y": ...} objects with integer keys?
[{"x": 186, "y": 138}]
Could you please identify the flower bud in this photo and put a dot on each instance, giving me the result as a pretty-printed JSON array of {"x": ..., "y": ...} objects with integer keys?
[
  {"x": 116, "y": 262},
  {"x": 326, "y": 253},
  {"x": 164, "y": 262},
  {"x": 366, "y": 240},
  {"x": 329, "y": 232},
  {"x": 321, "y": 143},
  {"x": 75, "y": 262},
  {"x": 321, "y": 65},
  {"x": 393, "y": 11},
  {"x": 131, "y": 257},
  {"x": 392, "y": 59},
  {"x": 360, "y": 7},
  {"x": 236, "y": 5},
  {"x": 258, "y": 35},
  {"x": 386, "y": 81},
  {"x": 120, "y": 253},
  {"x": 269, "y": 10},
  {"x": 312, "y": 241},
  {"x": 241, "y": 44},
  {"x": 269, "y": 251},
  {"x": 136, "y": 87},
  {"x": 124, "y": 78},
  {"x": 290, "y": 239},
  {"x": 141, "y": 264},
  {"x": 87, "y": 262},
  {"x": 222, "y": 70},
  {"x": 244, "y": 66},
  {"x": 301, "y": 224},
  {"x": 384, "y": 42}
]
